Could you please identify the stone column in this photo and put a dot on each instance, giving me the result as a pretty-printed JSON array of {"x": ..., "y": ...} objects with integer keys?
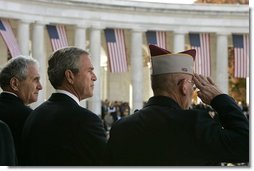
[
  {"x": 221, "y": 76},
  {"x": 39, "y": 53},
  {"x": 80, "y": 42},
  {"x": 80, "y": 36},
  {"x": 179, "y": 41},
  {"x": 23, "y": 36},
  {"x": 247, "y": 90},
  {"x": 94, "y": 103},
  {"x": 136, "y": 69}
]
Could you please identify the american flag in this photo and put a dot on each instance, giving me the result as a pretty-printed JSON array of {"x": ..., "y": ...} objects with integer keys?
[
  {"x": 57, "y": 36},
  {"x": 201, "y": 42},
  {"x": 241, "y": 53},
  {"x": 116, "y": 50},
  {"x": 9, "y": 38},
  {"x": 157, "y": 38}
]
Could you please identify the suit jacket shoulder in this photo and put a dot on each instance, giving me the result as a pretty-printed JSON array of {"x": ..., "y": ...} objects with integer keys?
[{"x": 60, "y": 132}]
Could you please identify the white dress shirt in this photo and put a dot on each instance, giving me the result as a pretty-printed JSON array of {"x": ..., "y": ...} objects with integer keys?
[{"x": 69, "y": 94}]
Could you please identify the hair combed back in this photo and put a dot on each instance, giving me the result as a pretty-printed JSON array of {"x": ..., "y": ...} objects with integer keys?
[
  {"x": 62, "y": 60},
  {"x": 16, "y": 67}
]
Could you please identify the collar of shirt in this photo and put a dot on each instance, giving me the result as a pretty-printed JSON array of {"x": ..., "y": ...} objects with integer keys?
[
  {"x": 10, "y": 93},
  {"x": 69, "y": 94}
]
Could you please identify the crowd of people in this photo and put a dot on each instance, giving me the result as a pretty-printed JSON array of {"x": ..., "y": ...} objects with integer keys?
[
  {"x": 212, "y": 112},
  {"x": 167, "y": 131},
  {"x": 113, "y": 111}
]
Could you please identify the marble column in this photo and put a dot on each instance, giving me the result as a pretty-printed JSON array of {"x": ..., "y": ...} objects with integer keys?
[
  {"x": 80, "y": 42},
  {"x": 136, "y": 69},
  {"x": 23, "y": 36},
  {"x": 80, "y": 36},
  {"x": 94, "y": 103},
  {"x": 221, "y": 76},
  {"x": 247, "y": 90},
  {"x": 179, "y": 41},
  {"x": 39, "y": 53}
]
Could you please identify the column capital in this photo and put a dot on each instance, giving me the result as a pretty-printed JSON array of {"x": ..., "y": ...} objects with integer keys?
[
  {"x": 25, "y": 21},
  {"x": 97, "y": 26},
  {"x": 180, "y": 31},
  {"x": 39, "y": 22},
  {"x": 223, "y": 33},
  {"x": 82, "y": 26},
  {"x": 138, "y": 30}
]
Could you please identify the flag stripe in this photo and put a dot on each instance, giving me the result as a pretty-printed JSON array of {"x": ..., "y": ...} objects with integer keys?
[
  {"x": 116, "y": 50},
  {"x": 57, "y": 36},
  {"x": 156, "y": 37},
  {"x": 201, "y": 42},
  {"x": 246, "y": 59},
  {"x": 241, "y": 53},
  {"x": 122, "y": 53},
  {"x": 161, "y": 39},
  {"x": 9, "y": 38},
  {"x": 206, "y": 59}
]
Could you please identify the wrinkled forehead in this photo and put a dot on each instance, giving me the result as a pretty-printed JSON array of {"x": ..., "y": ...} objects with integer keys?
[{"x": 87, "y": 61}]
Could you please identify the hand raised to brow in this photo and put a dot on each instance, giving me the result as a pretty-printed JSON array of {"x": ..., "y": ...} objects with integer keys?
[{"x": 207, "y": 88}]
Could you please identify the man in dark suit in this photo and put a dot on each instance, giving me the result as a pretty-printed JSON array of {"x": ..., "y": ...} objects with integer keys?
[
  {"x": 60, "y": 132},
  {"x": 19, "y": 80},
  {"x": 7, "y": 148},
  {"x": 167, "y": 132}
]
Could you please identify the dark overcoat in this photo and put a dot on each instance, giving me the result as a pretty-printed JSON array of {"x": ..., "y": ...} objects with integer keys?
[
  {"x": 164, "y": 134},
  {"x": 7, "y": 148},
  {"x": 14, "y": 113},
  {"x": 60, "y": 132}
]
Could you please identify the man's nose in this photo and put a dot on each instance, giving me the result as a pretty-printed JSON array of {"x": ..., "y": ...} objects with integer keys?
[{"x": 39, "y": 86}]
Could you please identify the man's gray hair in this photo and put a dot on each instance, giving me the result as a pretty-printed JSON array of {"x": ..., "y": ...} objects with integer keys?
[
  {"x": 16, "y": 67},
  {"x": 61, "y": 60}
]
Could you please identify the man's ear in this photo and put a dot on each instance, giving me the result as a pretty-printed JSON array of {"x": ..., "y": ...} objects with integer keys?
[
  {"x": 183, "y": 88},
  {"x": 69, "y": 76},
  {"x": 14, "y": 83}
]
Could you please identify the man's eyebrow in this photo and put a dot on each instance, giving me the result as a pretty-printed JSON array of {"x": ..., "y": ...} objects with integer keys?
[{"x": 37, "y": 78}]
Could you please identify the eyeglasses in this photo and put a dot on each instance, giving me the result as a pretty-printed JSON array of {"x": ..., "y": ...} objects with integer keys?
[{"x": 189, "y": 81}]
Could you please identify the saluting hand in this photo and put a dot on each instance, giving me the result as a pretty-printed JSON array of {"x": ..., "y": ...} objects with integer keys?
[{"x": 207, "y": 88}]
